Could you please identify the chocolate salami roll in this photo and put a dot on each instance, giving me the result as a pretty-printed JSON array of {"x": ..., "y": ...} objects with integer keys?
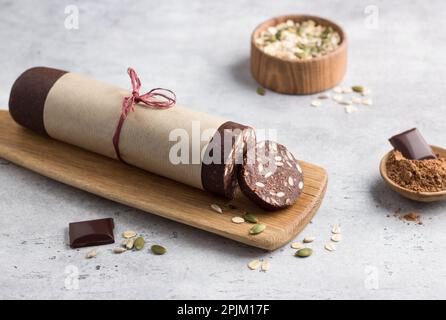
[
  {"x": 270, "y": 176},
  {"x": 194, "y": 148}
]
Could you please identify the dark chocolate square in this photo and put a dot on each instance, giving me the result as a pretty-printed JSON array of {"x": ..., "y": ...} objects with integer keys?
[{"x": 91, "y": 233}]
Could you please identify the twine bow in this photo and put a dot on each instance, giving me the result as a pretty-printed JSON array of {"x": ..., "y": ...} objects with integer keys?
[{"x": 157, "y": 98}]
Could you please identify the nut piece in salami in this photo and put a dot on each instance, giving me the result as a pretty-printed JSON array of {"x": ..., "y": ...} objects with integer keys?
[{"x": 270, "y": 176}]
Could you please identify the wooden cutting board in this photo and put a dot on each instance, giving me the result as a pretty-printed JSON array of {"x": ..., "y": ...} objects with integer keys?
[{"x": 134, "y": 187}]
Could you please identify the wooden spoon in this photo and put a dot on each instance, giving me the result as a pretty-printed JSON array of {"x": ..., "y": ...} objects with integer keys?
[{"x": 414, "y": 195}]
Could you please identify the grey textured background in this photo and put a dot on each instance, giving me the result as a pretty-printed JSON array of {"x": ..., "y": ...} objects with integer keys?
[{"x": 200, "y": 49}]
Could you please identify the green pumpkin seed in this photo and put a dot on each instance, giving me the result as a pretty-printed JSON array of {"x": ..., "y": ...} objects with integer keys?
[
  {"x": 139, "y": 243},
  {"x": 156, "y": 249},
  {"x": 303, "y": 253},
  {"x": 358, "y": 89},
  {"x": 261, "y": 91},
  {"x": 258, "y": 228},
  {"x": 250, "y": 218}
]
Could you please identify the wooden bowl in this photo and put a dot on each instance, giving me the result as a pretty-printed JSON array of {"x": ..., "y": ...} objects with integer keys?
[
  {"x": 298, "y": 76},
  {"x": 413, "y": 195}
]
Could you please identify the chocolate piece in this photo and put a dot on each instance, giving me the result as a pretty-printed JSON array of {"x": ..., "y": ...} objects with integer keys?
[
  {"x": 91, "y": 233},
  {"x": 270, "y": 176},
  {"x": 412, "y": 145},
  {"x": 28, "y": 95},
  {"x": 220, "y": 176}
]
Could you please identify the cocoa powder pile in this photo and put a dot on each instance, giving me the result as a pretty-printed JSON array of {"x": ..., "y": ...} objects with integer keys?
[{"x": 418, "y": 175}]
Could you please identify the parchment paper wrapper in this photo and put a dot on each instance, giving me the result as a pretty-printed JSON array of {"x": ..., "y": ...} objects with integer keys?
[{"x": 85, "y": 112}]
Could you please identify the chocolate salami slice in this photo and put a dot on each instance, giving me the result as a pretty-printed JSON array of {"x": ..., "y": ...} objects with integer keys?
[
  {"x": 270, "y": 176},
  {"x": 230, "y": 141}
]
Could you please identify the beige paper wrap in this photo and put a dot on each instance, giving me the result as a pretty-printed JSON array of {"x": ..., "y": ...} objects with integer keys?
[{"x": 85, "y": 112}]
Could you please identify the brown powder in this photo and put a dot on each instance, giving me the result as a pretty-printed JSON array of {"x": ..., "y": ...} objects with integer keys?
[{"x": 418, "y": 175}]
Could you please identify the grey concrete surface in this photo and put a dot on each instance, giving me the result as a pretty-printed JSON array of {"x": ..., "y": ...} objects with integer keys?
[{"x": 200, "y": 49}]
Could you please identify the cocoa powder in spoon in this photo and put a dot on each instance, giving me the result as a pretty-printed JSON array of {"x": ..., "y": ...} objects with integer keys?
[{"x": 427, "y": 175}]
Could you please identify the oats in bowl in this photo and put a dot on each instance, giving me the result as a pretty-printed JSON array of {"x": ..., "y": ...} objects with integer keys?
[{"x": 298, "y": 40}]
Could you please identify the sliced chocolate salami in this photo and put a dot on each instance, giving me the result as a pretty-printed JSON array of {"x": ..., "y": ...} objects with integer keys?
[
  {"x": 219, "y": 172},
  {"x": 270, "y": 176}
]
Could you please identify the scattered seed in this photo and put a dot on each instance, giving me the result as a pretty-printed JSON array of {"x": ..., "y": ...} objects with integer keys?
[
  {"x": 347, "y": 90},
  {"x": 330, "y": 246},
  {"x": 316, "y": 103},
  {"x": 139, "y": 243},
  {"x": 129, "y": 234},
  {"x": 280, "y": 194},
  {"x": 351, "y": 109},
  {"x": 216, "y": 208},
  {"x": 338, "y": 90},
  {"x": 367, "y": 102},
  {"x": 261, "y": 91},
  {"x": 254, "y": 264},
  {"x": 119, "y": 250},
  {"x": 250, "y": 218},
  {"x": 258, "y": 228},
  {"x": 297, "y": 245},
  {"x": 323, "y": 96},
  {"x": 358, "y": 89},
  {"x": 238, "y": 220},
  {"x": 260, "y": 185},
  {"x": 129, "y": 244},
  {"x": 336, "y": 229},
  {"x": 91, "y": 254},
  {"x": 338, "y": 98},
  {"x": 265, "y": 265},
  {"x": 158, "y": 250},
  {"x": 304, "y": 253},
  {"x": 309, "y": 239},
  {"x": 365, "y": 92},
  {"x": 346, "y": 102},
  {"x": 336, "y": 237},
  {"x": 356, "y": 100}
]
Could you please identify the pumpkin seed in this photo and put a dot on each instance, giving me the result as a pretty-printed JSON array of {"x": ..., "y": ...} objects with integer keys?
[
  {"x": 139, "y": 242},
  {"x": 297, "y": 245},
  {"x": 119, "y": 250},
  {"x": 129, "y": 234},
  {"x": 216, "y": 208},
  {"x": 254, "y": 264},
  {"x": 358, "y": 89},
  {"x": 91, "y": 254},
  {"x": 304, "y": 253},
  {"x": 261, "y": 91},
  {"x": 250, "y": 218},
  {"x": 258, "y": 228},
  {"x": 265, "y": 265},
  {"x": 158, "y": 250},
  {"x": 336, "y": 237},
  {"x": 238, "y": 220}
]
